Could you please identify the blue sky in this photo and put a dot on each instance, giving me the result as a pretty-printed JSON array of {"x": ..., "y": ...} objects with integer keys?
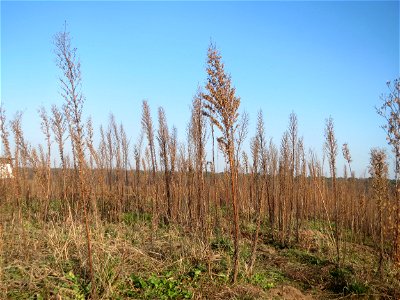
[{"x": 316, "y": 58}]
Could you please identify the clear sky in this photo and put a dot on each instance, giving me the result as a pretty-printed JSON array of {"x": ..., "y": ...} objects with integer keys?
[{"x": 317, "y": 59}]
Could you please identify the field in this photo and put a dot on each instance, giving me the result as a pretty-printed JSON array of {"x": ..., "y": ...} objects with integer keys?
[
  {"x": 155, "y": 220},
  {"x": 48, "y": 260}
]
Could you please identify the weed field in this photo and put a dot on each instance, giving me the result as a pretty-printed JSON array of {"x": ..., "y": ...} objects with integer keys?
[{"x": 92, "y": 214}]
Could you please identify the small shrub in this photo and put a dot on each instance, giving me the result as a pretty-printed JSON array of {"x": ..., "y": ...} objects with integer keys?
[
  {"x": 344, "y": 282},
  {"x": 358, "y": 288},
  {"x": 245, "y": 252},
  {"x": 80, "y": 289},
  {"x": 158, "y": 287},
  {"x": 267, "y": 279},
  {"x": 306, "y": 258},
  {"x": 195, "y": 272},
  {"x": 262, "y": 280},
  {"x": 131, "y": 218},
  {"x": 222, "y": 243},
  {"x": 55, "y": 206}
]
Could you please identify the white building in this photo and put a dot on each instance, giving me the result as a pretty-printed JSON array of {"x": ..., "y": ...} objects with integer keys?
[{"x": 5, "y": 168}]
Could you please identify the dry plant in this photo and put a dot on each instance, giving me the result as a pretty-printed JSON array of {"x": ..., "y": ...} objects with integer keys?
[
  {"x": 45, "y": 126},
  {"x": 347, "y": 156},
  {"x": 331, "y": 149},
  {"x": 4, "y": 132},
  {"x": 58, "y": 125},
  {"x": 258, "y": 150},
  {"x": 19, "y": 159},
  {"x": 147, "y": 125},
  {"x": 221, "y": 106},
  {"x": 70, "y": 82},
  {"x": 379, "y": 172},
  {"x": 390, "y": 111},
  {"x": 163, "y": 142},
  {"x": 198, "y": 139}
]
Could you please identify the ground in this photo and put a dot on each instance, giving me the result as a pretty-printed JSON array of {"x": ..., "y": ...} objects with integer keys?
[{"x": 48, "y": 260}]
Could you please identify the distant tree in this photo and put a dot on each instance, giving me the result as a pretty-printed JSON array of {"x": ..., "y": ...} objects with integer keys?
[{"x": 221, "y": 106}]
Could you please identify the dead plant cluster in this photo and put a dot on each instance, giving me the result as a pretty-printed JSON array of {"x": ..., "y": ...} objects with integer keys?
[{"x": 275, "y": 193}]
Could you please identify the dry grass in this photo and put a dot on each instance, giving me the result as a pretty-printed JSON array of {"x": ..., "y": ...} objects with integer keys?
[{"x": 49, "y": 260}]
